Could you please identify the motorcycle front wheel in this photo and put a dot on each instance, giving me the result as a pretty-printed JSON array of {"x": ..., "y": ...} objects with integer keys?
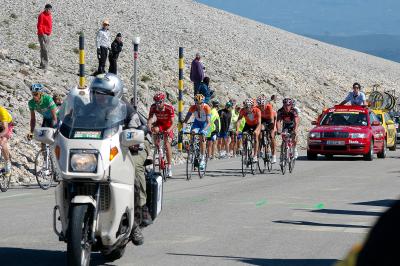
[{"x": 78, "y": 245}]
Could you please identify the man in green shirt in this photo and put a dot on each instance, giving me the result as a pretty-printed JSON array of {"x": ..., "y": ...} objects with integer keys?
[{"x": 44, "y": 105}]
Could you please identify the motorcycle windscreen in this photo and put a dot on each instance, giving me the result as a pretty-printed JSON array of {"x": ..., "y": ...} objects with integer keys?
[{"x": 94, "y": 117}]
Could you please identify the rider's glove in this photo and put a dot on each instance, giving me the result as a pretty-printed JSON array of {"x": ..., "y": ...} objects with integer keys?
[{"x": 29, "y": 136}]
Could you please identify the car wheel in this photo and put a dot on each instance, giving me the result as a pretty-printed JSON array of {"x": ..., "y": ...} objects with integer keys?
[
  {"x": 328, "y": 156},
  {"x": 370, "y": 155},
  {"x": 311, "y": 156},
  {"x": 382, "y": 153},
  {"x": 394, "y": 147}
]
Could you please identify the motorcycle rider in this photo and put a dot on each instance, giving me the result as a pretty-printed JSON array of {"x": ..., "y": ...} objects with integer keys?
[{"x": 110, "y": 85}]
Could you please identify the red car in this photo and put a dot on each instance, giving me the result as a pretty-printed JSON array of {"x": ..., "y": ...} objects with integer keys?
[{"x": 347, "y": 130}]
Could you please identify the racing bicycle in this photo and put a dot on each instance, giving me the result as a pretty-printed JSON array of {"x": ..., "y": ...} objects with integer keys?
[
  {"x": 247, "y": 153},
  {"x": 287, "y": 158},
  {"x": 44, "y": 168},
  {"x": 159, "y": 156},
  {"x": 193, "y": 156},
  {"x": 265, "y": 151},
  {"x": 4, "y": 180}
]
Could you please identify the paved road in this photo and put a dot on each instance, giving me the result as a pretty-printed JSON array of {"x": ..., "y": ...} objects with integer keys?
[{"x": 311, "y": 217}]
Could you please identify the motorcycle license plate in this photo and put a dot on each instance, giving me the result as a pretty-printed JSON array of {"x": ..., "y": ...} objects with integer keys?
[{"x": 335, "y": 142}]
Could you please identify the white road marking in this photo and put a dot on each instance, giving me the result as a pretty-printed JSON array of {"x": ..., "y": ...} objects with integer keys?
[{"x": 14, "y": 196}]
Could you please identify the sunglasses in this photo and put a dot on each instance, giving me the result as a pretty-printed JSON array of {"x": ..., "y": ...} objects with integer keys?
[
  {"x": 159, "y": 102},
  {"x": 35, "y": 93}
]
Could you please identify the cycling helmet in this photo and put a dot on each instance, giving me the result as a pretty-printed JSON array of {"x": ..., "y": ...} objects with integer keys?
[
  {"x": 215, "y": 103},
  {"x": 262, "y": 100},
  {"x": 37, "y": 87},
  {"x": 233, "y": 101},
  {"x": 248, "y": 103},
  {"x": 108, "y": 84},
  {"x": 159, "y": 96},
  {"x": 228, "y": 105},
  {"x": 199, "y": 98},
  {"x": 287, "y": 101}
]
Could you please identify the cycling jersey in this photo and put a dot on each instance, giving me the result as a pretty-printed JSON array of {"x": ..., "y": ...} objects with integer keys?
[
  {"x": 5, "y": 116},
  {"x": 234, "y": 119},
  {"x": 266, "y": 111},
  {"x": 251, "y": 118},
  {"x": 165, "y": 117},
  {"x": 287, "y": 117},
  {"x": 215, "y": 117},
  {"x": 225, "y": 118},
  {"x": 44, "y": 107},
  {"x": 201, "y": 116}
]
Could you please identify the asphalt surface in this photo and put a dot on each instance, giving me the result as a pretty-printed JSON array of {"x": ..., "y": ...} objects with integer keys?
[{"x": 307, "y": 218}]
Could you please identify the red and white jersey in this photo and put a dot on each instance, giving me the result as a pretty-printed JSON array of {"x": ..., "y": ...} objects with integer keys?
[{"x": 165, "y": 117}]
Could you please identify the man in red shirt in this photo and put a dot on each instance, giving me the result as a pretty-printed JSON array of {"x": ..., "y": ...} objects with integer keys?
[
  {"x": 164, "y": 114},
  {"x": 268, "y": 121},
  {"x": 44, "y": 28}
]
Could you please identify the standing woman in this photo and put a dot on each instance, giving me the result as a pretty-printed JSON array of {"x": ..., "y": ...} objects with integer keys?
[{"x": 103, "y": 44}]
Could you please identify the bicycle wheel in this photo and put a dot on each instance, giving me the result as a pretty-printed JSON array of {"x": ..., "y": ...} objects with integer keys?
[
  {"x": 283, "y": 157},
  {"x": 250, "y": 155},
  {"x": 4, "y": 182},
  {"x": 245, "y": 159},
  {"x": 202, "y": 172},
  {"x": 159, "y": 166},
  {"x": 292, "y": 160},
  {"x": 189, "y": 164},
  {"x": 44, "y": 169}
]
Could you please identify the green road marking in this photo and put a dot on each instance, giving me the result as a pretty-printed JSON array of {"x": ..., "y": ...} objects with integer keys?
[
  {"x": 319, "y": 206},
  {"x": 199, "y": 200},
  {"x": 261, "y": 203}
]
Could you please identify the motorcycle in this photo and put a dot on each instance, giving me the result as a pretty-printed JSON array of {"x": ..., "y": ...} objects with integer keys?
[{"x": 94, "y": 208}]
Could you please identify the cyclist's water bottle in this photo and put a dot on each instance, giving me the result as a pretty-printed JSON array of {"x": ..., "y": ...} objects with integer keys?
[{"x": 161, "y": 152}]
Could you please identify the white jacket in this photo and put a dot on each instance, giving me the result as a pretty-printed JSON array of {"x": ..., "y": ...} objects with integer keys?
[{"x": 103, "y": 38}]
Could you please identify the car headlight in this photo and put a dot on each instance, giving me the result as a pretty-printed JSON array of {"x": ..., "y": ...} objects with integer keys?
[
  {"x": 314, "y": 135},
  {"x": 83, "y": 161},
  {"x": 358, "y": 135}
]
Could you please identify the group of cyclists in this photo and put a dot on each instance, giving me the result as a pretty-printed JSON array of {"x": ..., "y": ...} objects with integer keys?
[{"x": 220, "y": 129}]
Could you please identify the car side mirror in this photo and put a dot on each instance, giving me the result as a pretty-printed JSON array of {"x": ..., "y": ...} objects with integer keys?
[
  {"x": 314, "y": 123},
  {"x": 376, "y": 123},
  {"x": 44, "y": 135},
  {"x": 390, "y": 122},
  {"x": 130, "y": 137}
]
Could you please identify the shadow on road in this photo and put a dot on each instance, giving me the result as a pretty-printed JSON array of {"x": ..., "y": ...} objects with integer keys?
[
  {"x": 379, "y": 203},
  {"x": 348, "y": 212},
  {"x": 26, "y": 257},
  {"x": 320, "y": 224},
  {"x": 267, "y": 262}
]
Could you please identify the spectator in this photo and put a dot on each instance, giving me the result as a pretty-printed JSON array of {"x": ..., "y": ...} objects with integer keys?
[
  {"x": 103, "y": 43},
  {"x": 116, "y": 48},
  {"x": 196, "y": 73},
  {"x": 225, "y": 116},
  {"x": 44, "y": 28},
  {"x": 356, "y": 97},
  {"x": 204, "y": 88},
  {"x": 273, "y": 101}
]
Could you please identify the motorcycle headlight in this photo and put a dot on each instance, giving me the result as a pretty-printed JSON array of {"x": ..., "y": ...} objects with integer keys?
[
  {"x": 358, "y": 135},
  {"x": 314, "y": 135},
  {"x": 83, "y": 161}
]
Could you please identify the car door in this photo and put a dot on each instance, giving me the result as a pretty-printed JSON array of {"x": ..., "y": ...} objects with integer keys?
[
  {"x": 391, "y": 129},
  {"x": 378, "y": 132}
]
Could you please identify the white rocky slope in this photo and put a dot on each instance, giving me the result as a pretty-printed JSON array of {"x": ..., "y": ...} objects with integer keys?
[{"x": 243, "y": 58}]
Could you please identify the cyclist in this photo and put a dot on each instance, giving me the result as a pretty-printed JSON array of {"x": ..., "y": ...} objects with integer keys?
[
  {"x": 357, "y": 97},
  {"x": 252, "y": 115},
  {"x": 268, "y": 121},
  {"x": 57, "y": 100},
  {"x": 164, "y": 114},
  {"x": 288, "y": 119},
  {"x": 44, "y": 105},
  {"x": 201, "y": 124},
  {"x": 223, "y": 136},
  {"x": 6, "y": 129},
  {"x": 215, "y": 128}
]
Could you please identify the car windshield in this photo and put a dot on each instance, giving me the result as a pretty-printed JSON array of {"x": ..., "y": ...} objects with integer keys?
[
  {"x": 91, "y": 117},
  {"x": 344, "y": 119},
  {"x": 380, "y": 118}
]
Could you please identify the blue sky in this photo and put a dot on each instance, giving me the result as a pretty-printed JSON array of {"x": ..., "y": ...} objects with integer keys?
[{"x": 320, "y": 17}]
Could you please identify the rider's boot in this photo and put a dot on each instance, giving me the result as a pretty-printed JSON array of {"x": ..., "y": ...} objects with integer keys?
[
  {"x": 146, "y": 217},
  {"x": 137, "y": 236},
  {"x": 274, "y": 158},
  {"x": 169, "y": 172},
  {"x": 202, "y": 162}
]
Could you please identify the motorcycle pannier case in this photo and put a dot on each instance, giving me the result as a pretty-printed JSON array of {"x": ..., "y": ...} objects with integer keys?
[{"x": 154, "y": 191}]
